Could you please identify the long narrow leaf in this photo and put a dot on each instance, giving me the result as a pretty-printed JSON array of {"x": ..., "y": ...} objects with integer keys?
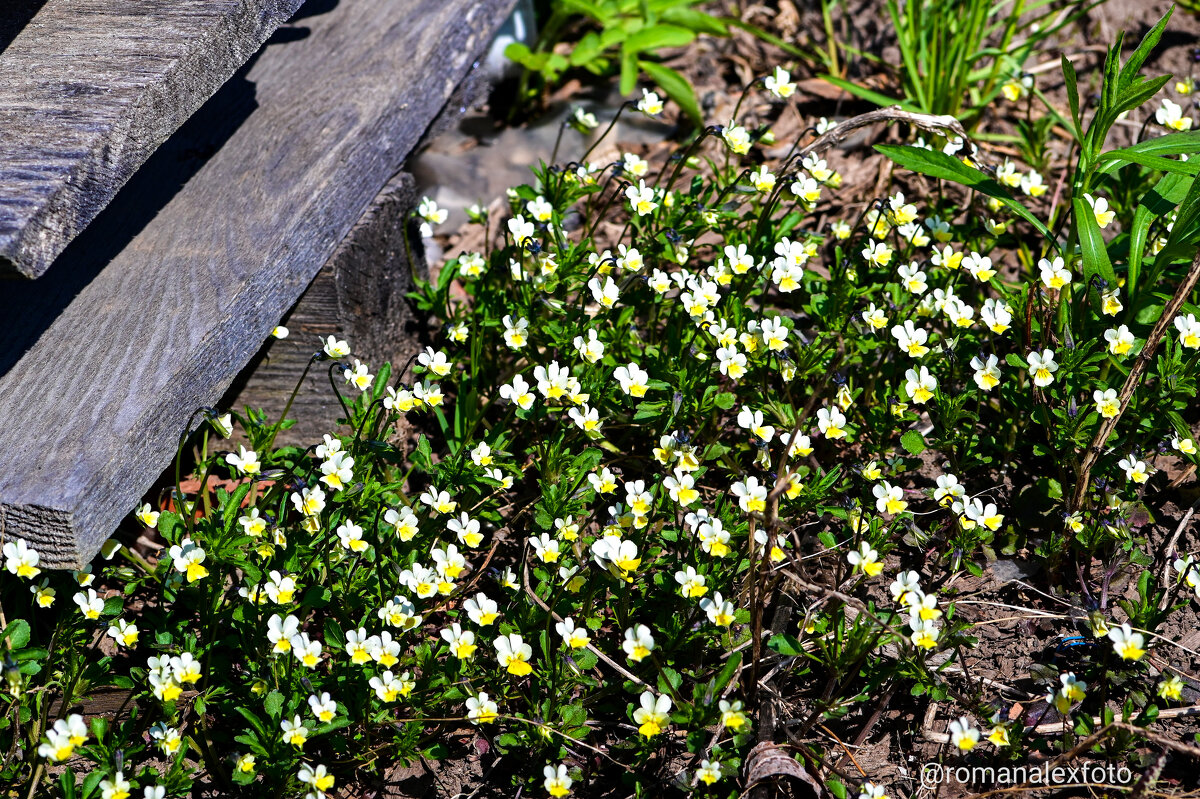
[
  {"x": 1187, "y": 141},
  {"x": 1116, "y": 159},
  {"x": 1091, "y": 243},
  {"x": 1069, "y": 79},
  {"x": 937, "y": 164},
  {"x": 1134, "y": 65},
  {"x": 868, "y": 95}
]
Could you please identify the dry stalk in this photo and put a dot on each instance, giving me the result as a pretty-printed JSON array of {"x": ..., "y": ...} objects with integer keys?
[{"x": 1096, "y": 448}]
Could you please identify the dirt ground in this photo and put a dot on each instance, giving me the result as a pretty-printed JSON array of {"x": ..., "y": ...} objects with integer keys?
[{"x": 891, "y": 736}]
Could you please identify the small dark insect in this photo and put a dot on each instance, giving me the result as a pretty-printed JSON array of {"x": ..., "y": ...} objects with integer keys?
[{"x": 1073, "y": 646}]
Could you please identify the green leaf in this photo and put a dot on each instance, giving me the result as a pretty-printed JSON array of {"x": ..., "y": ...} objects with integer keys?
[
  {"x": 1134, "y": 65},
  {"x": 656, "y": 37},
  {"x": 588, "y": 49},
  {"x": 913, "y": 442},
  {"x": 1014, "y": 360},
  {"x": 1138, "y": 94},
  {"x": 273, "y": 705},
  {"x": 1091, "y": 243},
  {"x": 725, "y": 400},
  {"x": 17, "y": 632},
  {"x": 676, "y": 87},
  {"x": 629, "y": 70},
  {"x": 168, "y": 522},
  {"x": 1159, "y": 201},
  {"x": 786, "y": 645},
  {"x": 1114, "y": 159},
  {"x": 233, "y": 506},
  {"x": 940, "y": 165},
  {"x": 1176, "y": 143},
  {"x": 520, "y": 54},
  {"x": 587, "y": 8},
  {"x": 695, "y": 20},
  {"x": 1071, "y": 82},
  {"x": 727, "y": 671},
  {"x": 66, "y": 784},
  {"x": 866, "y": 94}
]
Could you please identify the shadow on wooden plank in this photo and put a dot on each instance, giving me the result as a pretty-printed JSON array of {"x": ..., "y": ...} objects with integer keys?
[
  {"x": 28, "y": 308},
  {"x": 14, "y": 16}
]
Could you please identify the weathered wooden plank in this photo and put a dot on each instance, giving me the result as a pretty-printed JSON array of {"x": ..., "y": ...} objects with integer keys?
[
  {"x": 358, "y": 296},
  {"x": 89, "y": 89},
  {"x": 90, "y": 414}
]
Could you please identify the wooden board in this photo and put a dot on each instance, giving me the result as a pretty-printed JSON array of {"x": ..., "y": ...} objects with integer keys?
[
  {"x": 89, "y": 89},
  {"x": 358, "y": 296},
  {"x": 91, "y": 412}
]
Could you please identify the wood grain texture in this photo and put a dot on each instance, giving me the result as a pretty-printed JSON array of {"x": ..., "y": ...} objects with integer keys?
[
  {"x": 91, "y": 412},
  {"x": 90, "y": 88},
  {"x": 358, "y": 296}
]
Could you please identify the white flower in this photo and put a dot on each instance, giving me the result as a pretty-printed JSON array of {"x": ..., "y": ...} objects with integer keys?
[
  {"x": 889, "y": 498},
  {"x": 641, "y": 198},
  {"x": 1189, "y": 331},
  {"x": 650, "y": 104},
  {"x": 1104, "y": 217},
  {"x": 920, "y": 385},
  {"x": 516, "y": 334},
  {"x": 911, "y": 339},
  {"x": 21, "y": 559},
  {"x": 429, "y": 211},
  {"x": 1170, "y": 115},
  {"x": 481, "y": 709},
  {"x": 245, "y": 461},
  {"x": 335, "y": 348},
  {"x": 605, "y": 293},
  {"x": 557, "y": 783},
  {"x": 831, "y": 422},
  {"x": 188, "y": 559},
  {"x": 987, "y": 373},
  {"x": 517, "y": 392},
  {"x": 963, "y": 735},
  {"x": 1135, "y": 470},
  {"x": 720, "y": 611},
  {"x": 435, "y": 362},
  {"x": 1128, "y": 644},
  {"x": 1042, "y": 367},
  {"x": 90, "y": 604},
  {"x": 573, "y": 636},
  {"x": 652, "y": 716},
  {"x": 359, "y": 376},
  {"x": 752, "y": 497},
  {"x": 632, "y": 379},
  {"x": 753, "y": 421},
  {"x": 763, "y": 180},
  {"x": 591, "y": 349},
  {"x": 584, "y": 120},
  {"x": 1120, "y": 340},
  {"x": 521, "y": 230},
  {"x": 736, "y": 138},
  {"x": 779, "y": 83}
]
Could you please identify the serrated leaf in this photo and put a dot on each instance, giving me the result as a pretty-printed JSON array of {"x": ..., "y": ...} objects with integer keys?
[
  {"x": 273, "y": 705},
  {"x": 913, "y": 442},
  {"x": 17, "y": 633}
]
